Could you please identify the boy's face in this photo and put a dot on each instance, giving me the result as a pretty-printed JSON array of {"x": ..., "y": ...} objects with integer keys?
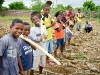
[
  {"x": 16, "y": 29},
  {"x": 79, "y": 11},
  {"x": 46, "y": 10},
  {"x": 26, "y": 30},
  {"x": 59, "y": 17},
  {"x": 64, "y": 14},
  {"x": 70, "y": 10},
  {"x": 36, "y": 20}
]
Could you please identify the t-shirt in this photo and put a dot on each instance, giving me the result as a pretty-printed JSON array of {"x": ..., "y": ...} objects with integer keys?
[
  {"x": 63, "y": 19},
  {"x": 69, "y": 14},
  {"x": 27, "y": 54},
  {"x": 10, "y": 50},
  {"x": 60, "y": 34},
  {"x": 47, "y": 22},
  {"x": 35, "y": 33},
  {"x": 88, "y": 25},
  {"x": 78, "y": 17}
]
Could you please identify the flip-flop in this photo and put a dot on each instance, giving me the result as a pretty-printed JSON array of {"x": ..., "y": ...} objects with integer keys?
[{"x": 51, "y": 63}]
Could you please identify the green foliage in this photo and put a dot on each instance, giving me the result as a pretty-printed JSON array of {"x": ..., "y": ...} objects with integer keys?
[
  {"x": 60, "y": 7},
  {"x": 89, "y": 5},
  {"x": 69, "y": 6},
  {"x": 4, "y": 8},
  {"x": 80, "y": 55},
  {"x": 1, "y": 2},
  {"x": 87, "y": 11},
  {"x": 97, "y": 8},
  {"x": 97, "y": 14},
  {"x": 17, "y": 6},
  {"x": 37, "y": 5}
]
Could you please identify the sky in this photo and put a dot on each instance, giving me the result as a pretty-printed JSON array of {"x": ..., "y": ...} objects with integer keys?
[{"x": 74, "y": 3}]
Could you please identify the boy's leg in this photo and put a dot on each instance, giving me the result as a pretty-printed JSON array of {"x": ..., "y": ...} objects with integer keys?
[
  {"x": 42, "y": 63},
  {"x": 62, "y": 45},
  {"x": 31, "y": 72},
  {"x": 36, "y": 63},
  {"x": 69, "y": 41},
  {"x": 50, "y": 48},
  {"x": 57, "y": 45},
  {"x": 47, "y": 48}
]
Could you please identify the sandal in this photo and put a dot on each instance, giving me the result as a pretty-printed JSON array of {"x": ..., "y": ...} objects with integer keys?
[{"x": 51, "y": 63}]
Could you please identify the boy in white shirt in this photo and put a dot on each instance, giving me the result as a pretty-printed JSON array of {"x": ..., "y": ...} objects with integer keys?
[{"x": 39, "y": 56}]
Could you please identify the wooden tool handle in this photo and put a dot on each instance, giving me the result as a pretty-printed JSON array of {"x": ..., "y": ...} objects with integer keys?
[{"x": 40, "y": 48}]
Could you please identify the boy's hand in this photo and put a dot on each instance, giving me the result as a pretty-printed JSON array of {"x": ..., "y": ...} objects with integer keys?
[
  {"x": 53, "y": 23},
  {"x": 22, "y": 72}
]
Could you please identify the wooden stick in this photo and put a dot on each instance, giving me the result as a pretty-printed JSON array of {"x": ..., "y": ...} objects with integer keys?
[
  {"x": 41, "y": 23},
  {"x": 40, "y": 48},
  {"x": 63, "y": 25}
]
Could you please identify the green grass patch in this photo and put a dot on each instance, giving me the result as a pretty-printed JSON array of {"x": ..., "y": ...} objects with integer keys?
[
  {"x": 13, "y": 17},
  {"x": 80, "y": 55}
]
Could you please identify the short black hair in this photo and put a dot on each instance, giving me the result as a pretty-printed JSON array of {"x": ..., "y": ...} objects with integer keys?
[
  {"x": 16, "y": 21},
  {"x": 47, "y": 4},
  {"x": 26, "y": 23},
  {"x": 79, "y": 9},
  {"x": 58, "y": 13},
  {"x": 36, "y": 13}
]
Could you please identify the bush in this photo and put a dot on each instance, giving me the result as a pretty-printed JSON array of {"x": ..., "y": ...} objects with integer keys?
[
  {"x": 89, "y": 5},
  {"x": 97, "y": 14},
  {"x": 17, "y": 6},
  {"x": 4, "y": 8},
  {"x": 87, "y": 11},
  {"x": 60, "y": 7},
  {"x": 37, "y": 5}
]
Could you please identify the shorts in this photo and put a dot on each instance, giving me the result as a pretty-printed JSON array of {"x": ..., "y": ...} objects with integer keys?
[
  {"x": 78, "y": 25},
  {"x": 39, "y": 61},
  {"x": 49, "y": 46},
  {"x": 27, "y": 72},
  {"x": 88, "y": 29},
  {"x": 59, "y": 42},
  {"x": 68, "y": 35}
]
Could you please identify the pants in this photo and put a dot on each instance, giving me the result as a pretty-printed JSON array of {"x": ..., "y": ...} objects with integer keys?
[{"x": 88, "y": 29}]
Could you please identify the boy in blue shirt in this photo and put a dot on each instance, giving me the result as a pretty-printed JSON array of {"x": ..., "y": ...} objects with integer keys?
[
  {"x": 26, "y": 49},
  {"x": 10, "y": 52}
]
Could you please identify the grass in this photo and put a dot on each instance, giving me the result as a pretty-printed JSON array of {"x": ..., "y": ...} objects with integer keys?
[
  {"x": 90, "y": 60},
  {"x": 80, "y": 55},
  {"x": 10, "y": 18},
  {"x": 13, "y": 17}
]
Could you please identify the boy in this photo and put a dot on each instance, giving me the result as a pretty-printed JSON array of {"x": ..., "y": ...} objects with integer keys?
[
  {"x": 26, "y": 49},
  {"x": 88, "y": 27},
  {"x": 79, "y": 17},
  {"x": 10, "y": 51},
  {"x": 39, "y": 56},
  {"x": 49, "y": 24},
  {"x": 59, "y": 34}
]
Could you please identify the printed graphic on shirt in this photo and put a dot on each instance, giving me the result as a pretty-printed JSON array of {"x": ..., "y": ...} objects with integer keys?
[
  {"x": 11, "y": 52},
  {"x": 27, "y": 49}
]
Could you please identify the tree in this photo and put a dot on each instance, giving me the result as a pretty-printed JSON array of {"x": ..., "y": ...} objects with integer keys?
[
  {"x": 60, "y": 7},
  {"x": 17, "y": 6},
  {"x": 90, "y": 5},
  {"x": 1, "y": 2},
  {"x": 37, "y": 5}
]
